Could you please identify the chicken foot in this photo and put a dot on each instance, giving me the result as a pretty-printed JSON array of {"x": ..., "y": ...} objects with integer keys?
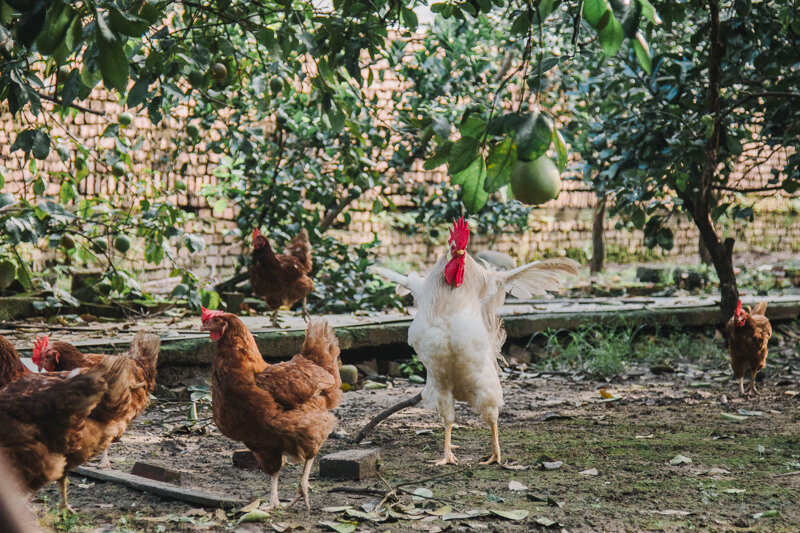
[
  {"x": 104, "y": 461},
  {"x": 448, "y": 458},
  {"x": 62, "y": 490},
  {"x": 495, "y": 457},
  {"x": 275, "y": 323},
  {"x": 302, "y": 490}
]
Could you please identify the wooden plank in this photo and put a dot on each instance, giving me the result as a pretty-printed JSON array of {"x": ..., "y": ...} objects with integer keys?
[{"x": 159, "y": 488}]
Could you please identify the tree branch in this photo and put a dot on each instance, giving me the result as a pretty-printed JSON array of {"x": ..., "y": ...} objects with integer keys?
[{"x": 75, "y": 106}]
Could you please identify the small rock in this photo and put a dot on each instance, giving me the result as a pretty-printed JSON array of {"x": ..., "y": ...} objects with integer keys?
[
  {"x": 156, "y": 473},
  {"x": 349, "y": 374},
  {"x": 350, "y": 464},
  {"x": 679, "y": 460}
]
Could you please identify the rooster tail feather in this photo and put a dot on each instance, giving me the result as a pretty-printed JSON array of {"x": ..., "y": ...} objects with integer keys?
[
  {"x": 116, "y": 400},
  {"x": 760, "y": 308}
]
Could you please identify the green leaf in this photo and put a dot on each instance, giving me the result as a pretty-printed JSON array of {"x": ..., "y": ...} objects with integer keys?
[
  {"x": 441, "y": 156},
  {"x": 611, "y": 36},
  {"x": 41, "y": 144},
  {"x": 649, "y": 12},
  {"x": 138, "y": 92},
  {"x": 125, "y": 23},
  {"x": 59, "y": 17},
  {"x": 627, "y": 12},
  {"x": 472, "y": 179},
  {"x": 410, "y": 19},
  {"x": 71, "y": 89},
  {"x": 254, "y": 516},
  {"x": 104, "y": 32},
  {"x": 473, "y": 126},
  {"x": 220, "y": 206},
  {"x": 642, "y": 50},
  {"x": 734, "y": 145},
  {"x": 340, "y": 527},
  {"x": 113, "y": 64},
  {"x": 664, "y": 238},
  {"x": 561, "y": 149},
  {"x": 593, "y": 11},
  {"x": 638, "y": 218},
  {"x": 502, "y": 157},
  {"x": 463, "y": 154},
  {"x": 39, "y": 186}
]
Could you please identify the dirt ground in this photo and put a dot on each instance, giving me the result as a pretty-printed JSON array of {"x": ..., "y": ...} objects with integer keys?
[{"x": 741, "y": 459}]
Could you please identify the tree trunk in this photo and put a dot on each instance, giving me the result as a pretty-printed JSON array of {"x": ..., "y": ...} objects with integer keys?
[
  {"x": 598, "y": 237},
  {"x": 702, "y": 249},
  {"x": 722, "y": 258},
  {"x": 721, "y": 252}
]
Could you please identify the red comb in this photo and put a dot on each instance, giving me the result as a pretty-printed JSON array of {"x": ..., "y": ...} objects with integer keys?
[
  {"x": 208, "y": 314},
  {"x": 39, "y": 347},
  {"x": 739, "y": 307},
  {"x": 459, "y": 235},
  {"x": 256, "y": 233}
]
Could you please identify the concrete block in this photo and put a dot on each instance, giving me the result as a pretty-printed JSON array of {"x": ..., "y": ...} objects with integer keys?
[
  {"x": 156, "y": 473},
  {"x": 350, "y": 464},
  {"x": 245, "y": 460}
]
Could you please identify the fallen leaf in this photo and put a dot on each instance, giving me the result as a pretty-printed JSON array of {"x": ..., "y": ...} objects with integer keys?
[
  {"x": 650, "y": 436},
  {"x": 717, "y": 472},
  {"x": 552, "y": 466},
  {"x": 551, "y": 415},
  {"x": 772, "y": 513},
  {"x": 511, "y": 465},
  {"x": 373, "y": 385},
  {"x": 605, "y": 393},
  {"x": 673, "y": 512},
  {"x": 252, "y": 506},
  {"x": 441, "y": 511},
  {"x": 745, "y": 412},
  {"x": 340, "y": 527},
  {"x": 516, "y": 485},
  {"x": 220, "y": 515},
  {"x": 472, "y": 513},
  {"x": 734, "y": 491},
  {"x": 549, "y": 500},
  {"x": 518, "y": 514},
  {"x": 338, "y": 509},
  {"x": 421, "y": 493},
  {"x": 545, "y": 522},
  {"x": 735, "y": 418},
  {"x": 373, "y": 517},
  {"x": 699, "y": 384},
  {"x": 254, "y": 516},
  {"x": 590, "y": 472},
  {"x": 281, "y": 527},
  {"x": 494, "y": 498},
  {"x": 791, "y": 393},
  {"x": 424, "y": 431},
  {"x": 679, "y": 460}
]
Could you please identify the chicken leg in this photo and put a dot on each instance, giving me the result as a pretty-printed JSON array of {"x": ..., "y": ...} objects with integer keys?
[
  {"x": 104, "y": 461},
  {"x": 495, "y": 457},
  {"x": 62, "y": 490},
  {"x": 753, "y": 383},
  {"x": 306, "y": 315},
  {"x": 275, "y": 319},
  {"x": 448, "y": 458},
  {"x": 741, "y": 384},
  {"x": 302, "y": 490},
  {"x": 274, "y": 502}
]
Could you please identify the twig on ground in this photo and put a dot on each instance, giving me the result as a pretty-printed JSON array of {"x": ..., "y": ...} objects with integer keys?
[{"x": 386, "y": 413}]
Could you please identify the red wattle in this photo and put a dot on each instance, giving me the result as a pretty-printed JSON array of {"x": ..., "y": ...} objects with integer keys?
[{"x": 454, "y": 271}]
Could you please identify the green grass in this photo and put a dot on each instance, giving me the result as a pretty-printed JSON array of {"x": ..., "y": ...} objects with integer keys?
[{"x": 605, "y": 351}]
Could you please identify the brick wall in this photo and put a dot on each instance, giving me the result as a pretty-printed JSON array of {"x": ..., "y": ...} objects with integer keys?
[{"x": 562, "y": 226}]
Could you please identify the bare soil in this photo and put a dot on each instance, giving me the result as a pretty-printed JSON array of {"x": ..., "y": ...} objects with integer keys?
[{"x": 738, "y": 468}]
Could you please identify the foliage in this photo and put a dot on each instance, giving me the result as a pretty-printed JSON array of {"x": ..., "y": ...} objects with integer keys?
[{"x": 672, "y": 148}]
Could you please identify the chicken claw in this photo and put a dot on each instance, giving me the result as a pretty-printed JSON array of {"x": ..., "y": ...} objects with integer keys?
[
  {"x": 105, "y": 462},
  {"x": 448, "y": 459},
  {"x": 491, "y": 460},
  {"x": 302, "y": 490}
]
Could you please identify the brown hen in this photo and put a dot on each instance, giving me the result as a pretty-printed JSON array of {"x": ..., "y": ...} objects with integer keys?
[
  {"x": 275, "y": 410},
  {"x": 748, "y": 334},
  {"x": 281, "y": 279}
]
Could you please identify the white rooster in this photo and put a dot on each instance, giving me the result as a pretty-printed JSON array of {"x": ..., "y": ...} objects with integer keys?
[{"x": 457, "y": 334}]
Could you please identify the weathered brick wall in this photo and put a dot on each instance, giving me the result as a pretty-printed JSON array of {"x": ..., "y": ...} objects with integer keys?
[{"x": 562, "y": 226}]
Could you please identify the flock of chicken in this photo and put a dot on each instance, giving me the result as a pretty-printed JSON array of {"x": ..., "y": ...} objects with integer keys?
[{"x": 56, "y": 420}]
